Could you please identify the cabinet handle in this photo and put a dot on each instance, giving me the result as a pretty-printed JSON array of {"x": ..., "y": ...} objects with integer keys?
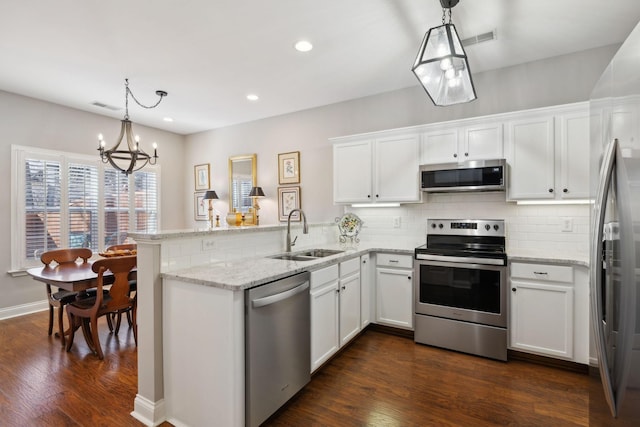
[
  {"x": 513, "y": 289},
  {"x": 565, "y": 191},
  {"x": 541, "y": 273},
  {"x": 393, "y": 260},
  {"x": 551, "y": 190}
]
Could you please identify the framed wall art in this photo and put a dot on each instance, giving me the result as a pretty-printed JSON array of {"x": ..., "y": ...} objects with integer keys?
[
  {"x": 201, "y": 176},
  {"x": 288, "y": 200},
  {"x": 289, "y": 168},
  {"x": 200, "y": 206}
]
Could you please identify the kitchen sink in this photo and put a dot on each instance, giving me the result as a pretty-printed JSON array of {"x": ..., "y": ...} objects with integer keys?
[{"x": 308, "y": 255}]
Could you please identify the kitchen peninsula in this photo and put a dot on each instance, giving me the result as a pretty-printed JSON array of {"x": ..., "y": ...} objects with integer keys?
[{"x": 191, "y": 313}]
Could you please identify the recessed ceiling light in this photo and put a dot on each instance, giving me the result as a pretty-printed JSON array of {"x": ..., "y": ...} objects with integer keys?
[
  {"x": 303, "y": 46},
  {"x": 168, "y": 119},
  {"x": 252, "y": 97}
]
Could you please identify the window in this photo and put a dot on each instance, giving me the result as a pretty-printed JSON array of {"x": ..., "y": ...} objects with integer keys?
[{"x": 69, "y": 200}]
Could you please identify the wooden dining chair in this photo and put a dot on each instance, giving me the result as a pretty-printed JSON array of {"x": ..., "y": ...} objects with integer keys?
[
  {"x": 61, "y": 298},
  {"x": 86, "y": 312},
  {"x": 128, "y": 249}
]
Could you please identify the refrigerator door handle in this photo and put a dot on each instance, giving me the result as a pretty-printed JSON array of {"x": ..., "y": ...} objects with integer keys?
[{"x": 604, "y": 183}]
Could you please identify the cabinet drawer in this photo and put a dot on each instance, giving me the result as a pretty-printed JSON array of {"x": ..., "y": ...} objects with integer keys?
[
  {"x": 545, "y": 272},
  {"x": 324, "y": 275},
  {"x": 394, "y": 260},
  {"x": 350, "y": 266}
]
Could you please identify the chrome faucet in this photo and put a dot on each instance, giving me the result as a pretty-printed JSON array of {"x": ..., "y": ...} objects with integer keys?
[{"x": 305, "y": 228}]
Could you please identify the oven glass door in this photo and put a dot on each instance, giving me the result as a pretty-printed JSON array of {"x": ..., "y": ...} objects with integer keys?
[{"x": 470, "y": 292}]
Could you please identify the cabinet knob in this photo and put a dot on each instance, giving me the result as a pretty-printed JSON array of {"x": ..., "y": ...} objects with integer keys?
[
  {"x": 377, "y": 195},
  {"x": 551, "y": 190},
  {"x": 364, "y": 261},
  {"x": 409, "y": 277},
  {"x": 344, "y": 287},
  {"x": 455, "y": 155},
  {"x": 466, "y": 154},
  {"x": 513, "y": 289},
  {"x": 337, "y": 291},
  {"x": 565, "y": 191},
  {"x": 368, "y": 196}
]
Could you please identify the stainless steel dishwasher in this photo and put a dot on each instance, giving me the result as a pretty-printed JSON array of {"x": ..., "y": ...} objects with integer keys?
[{"x": 277, "y": 345}]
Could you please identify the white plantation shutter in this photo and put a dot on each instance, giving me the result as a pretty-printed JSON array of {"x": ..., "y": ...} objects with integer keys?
[
  {"x": 41, "y": 199},
  {"x": 145, "y": 201},
  {"x": 116, "y": 207},
  {"x": 83, "y": 206},
  {"x": 67, "y": 200}
]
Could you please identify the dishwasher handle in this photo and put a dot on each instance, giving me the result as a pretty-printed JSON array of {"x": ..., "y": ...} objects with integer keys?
[{"x": 271, "y": 299}]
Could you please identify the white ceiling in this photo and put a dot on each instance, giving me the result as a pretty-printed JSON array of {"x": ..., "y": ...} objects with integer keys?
[{"x": 209, "y": 54}]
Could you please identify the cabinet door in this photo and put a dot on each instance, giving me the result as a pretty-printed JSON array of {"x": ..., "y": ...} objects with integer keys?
[
  {"x": 439, "y": 147},
  {"x": 325, "y": 340},
  {"x": 542, "y": 318},
  {"x": 349, "y": 307},
  {"x": 482, "y": 142},
  {"x": 396, "y": 169},
  {"x": 352, "y": 172},
  {"x": 365, "y": 290},
  {"x": 531, "y": 159},
  {"x": 394, "y": 297},
  {"x": 574, "y": 155}
]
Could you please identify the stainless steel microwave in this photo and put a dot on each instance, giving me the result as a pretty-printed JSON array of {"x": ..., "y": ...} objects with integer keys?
[{"x": 475, "y": 175}]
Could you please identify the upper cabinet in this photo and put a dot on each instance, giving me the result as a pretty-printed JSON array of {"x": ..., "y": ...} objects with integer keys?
[
  {"x": 548, "y": 155},
  {"x": 378, "y": 168},
  {"x": 463, "y": 142}
]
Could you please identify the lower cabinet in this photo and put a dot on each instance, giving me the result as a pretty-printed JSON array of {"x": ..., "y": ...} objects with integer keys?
[
  {"x": 549, "y": 310},
  {"x": 394, "y": 290},
  {"x": 335, "y": 309}
]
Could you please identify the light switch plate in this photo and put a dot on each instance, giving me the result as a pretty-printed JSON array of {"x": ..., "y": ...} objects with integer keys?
[
  {"x": 396, "y": 222},
  {"x": 567, "y": 224}
]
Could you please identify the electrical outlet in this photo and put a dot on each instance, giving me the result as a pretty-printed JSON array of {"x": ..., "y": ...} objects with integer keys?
[
  {"x": 396, "y": 222},
  {"x": 567, "y": 224},
  {"x": 208, "y": 244}
]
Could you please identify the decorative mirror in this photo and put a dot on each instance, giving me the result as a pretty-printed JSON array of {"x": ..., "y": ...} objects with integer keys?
[{"x": 242, "y": 177}]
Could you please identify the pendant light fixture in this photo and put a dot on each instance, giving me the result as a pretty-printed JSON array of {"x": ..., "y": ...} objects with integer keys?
[
  {"x": 442, "y": 66},
  {"x": 133, "y": 158}
]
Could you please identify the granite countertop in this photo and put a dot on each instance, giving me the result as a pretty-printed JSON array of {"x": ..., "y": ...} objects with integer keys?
[
  {"x": 246, "y": 273},
  {"x": 548, "y": 258}
]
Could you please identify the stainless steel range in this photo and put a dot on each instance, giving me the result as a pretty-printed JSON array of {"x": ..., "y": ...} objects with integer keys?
[{"x": 460, "y": 286}]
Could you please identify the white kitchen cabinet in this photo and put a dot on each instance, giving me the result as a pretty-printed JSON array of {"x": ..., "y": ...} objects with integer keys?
[
  {"x": 352, "y": 172},
  {"x": 548, "y": 155},
  {"x": 394, "y": 290},
  {"x": 379, "y": 168},
  {"x": 531, "y": 158},
  {"x": 335, "y": 309},
  {"x": 549, "y": 312},
  {"x": 325, "y": 338},
  {"x": 365, "y": 290},
  {"x": 461, "y": 143}
]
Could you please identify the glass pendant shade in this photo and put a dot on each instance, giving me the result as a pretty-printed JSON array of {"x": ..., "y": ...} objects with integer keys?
[{"x": 442, "y": 67}]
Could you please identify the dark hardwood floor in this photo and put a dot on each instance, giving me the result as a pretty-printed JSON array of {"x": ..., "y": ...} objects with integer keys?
[{"x": 379, "y": 380}]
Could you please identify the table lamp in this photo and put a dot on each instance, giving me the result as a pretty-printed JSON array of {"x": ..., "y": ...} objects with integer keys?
[
  {"x": 255, "y": 193},
  {"x": 211, "y": 195}
]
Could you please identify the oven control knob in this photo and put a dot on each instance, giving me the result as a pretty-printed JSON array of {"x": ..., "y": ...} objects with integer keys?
[
  {"x": 496, "y": 227},
  {"x": 440, "y": 225},
  {"x": 433, "y": 225},
  {"x": 487, "y": 227}
]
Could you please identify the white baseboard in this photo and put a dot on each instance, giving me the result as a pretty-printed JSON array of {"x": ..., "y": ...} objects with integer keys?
[
  {"x": 21, "y": 310},
  {"x": 147, "y": 412}
]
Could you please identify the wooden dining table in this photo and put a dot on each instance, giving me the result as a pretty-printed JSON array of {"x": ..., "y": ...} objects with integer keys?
[{"x": 74, "y": 276}]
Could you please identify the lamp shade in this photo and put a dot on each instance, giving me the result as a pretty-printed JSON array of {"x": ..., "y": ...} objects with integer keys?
[
  {"x": 210, "y": 195},
  {"x": 442, "y": 67},
  {"x": 256, "y": 192}
]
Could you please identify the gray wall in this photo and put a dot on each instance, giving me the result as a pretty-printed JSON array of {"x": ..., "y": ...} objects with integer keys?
[
  {"x": 34, "y": 123},
  {"x": 553, "y": 81}
]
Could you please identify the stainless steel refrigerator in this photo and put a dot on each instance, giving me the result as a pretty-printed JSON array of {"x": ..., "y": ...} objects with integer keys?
[{"x": 614, "y": 394}]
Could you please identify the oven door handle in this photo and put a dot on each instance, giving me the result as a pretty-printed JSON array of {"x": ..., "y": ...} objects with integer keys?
[{"x": 468, "y": 260}]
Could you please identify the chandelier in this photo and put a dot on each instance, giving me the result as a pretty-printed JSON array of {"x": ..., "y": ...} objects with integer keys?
[
  {"x": 133, "y": 158},
  {"x": 442, "y": 66}
]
